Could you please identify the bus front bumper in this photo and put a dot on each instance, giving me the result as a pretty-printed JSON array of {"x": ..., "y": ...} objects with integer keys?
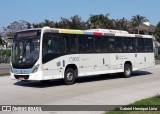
[{"x": 32, "y": 76}]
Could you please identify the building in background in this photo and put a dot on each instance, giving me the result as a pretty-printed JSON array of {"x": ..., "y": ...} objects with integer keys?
[{"x": 146, "y": 29}]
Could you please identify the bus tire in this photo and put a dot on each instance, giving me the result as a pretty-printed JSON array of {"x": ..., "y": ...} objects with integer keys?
[
  {"x": 69, "y": 76},
  {"x": 127, "y": 70}
]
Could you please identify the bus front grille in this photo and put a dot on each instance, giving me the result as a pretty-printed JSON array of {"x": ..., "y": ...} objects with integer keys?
[{"x": 21, "y": 76}]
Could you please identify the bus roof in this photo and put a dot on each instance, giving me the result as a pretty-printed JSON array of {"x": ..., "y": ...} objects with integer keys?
[
  {"x": 95, "y": 32},
  {"x": 99, "y": 32}
]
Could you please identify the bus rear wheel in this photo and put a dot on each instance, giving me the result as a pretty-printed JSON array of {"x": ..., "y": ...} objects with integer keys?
[
  {"x": 69, "y": 76},
  {"x": 127, "y": 70}
]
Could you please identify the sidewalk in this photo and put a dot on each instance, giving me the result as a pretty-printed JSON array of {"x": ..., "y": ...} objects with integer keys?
[
  {"x": 4, "y": 65},
  {"x": 4, "y": 68}
]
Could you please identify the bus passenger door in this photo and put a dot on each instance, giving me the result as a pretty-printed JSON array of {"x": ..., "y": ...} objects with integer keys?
[{"x": 52, "y": 48}]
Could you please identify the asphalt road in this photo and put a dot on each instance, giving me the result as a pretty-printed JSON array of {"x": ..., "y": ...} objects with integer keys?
[{"x": 97, "y": 90}]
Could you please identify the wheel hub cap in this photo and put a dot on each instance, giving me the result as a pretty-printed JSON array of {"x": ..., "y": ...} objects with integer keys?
[
  {"x": 128, "y": 71},
  {"x": 69, "y": 76}
]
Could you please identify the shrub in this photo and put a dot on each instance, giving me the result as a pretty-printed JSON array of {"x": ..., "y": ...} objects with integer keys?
[
  {"x": 6, "y": 52},
  {"x": 5, "y": 55}
]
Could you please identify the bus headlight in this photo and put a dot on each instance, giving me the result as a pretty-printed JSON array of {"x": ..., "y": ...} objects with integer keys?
[{"x": 35, "y": 68}]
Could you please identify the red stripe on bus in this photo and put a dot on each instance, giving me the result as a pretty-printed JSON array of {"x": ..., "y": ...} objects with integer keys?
[{"x": 97, "y": 33}]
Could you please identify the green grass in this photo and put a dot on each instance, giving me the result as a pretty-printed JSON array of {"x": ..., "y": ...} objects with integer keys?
[
  {"x": 150, "y": 101},
  {"x": 142, "y": 103}
]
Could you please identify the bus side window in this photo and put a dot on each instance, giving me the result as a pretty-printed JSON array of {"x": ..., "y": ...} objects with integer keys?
[
  {"x": 82, "y": 42},
  {"x": 130, "y": 45},
  {"x": 140, "y": 45},
  {"x": 73, "y": 44},
  {"x": 136, "y": 45},
  {"x": 124, "y": 44},
  {"x": 118, "y": 46},
  {"x": 70, "y": 43},
  {"x": 52, "y": 46},
  {"x": 129, "y": 49},
  {"x": 49, "y": 46},
  {"x": 111, "y": 45},
  {"x": 90, "y": 44},
  {"x": 101, "y": 44},
  {"x": 44, "y": 46},
  {"x": 66, "y": 42},
  {"x": 111, "y": 48},
  {"x": 98, "y": 44},
  {"x": 105, "y": 47},
  {"x": 148, "y": 45}
]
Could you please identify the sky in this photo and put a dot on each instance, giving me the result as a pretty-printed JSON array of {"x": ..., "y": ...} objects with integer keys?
[{"x": 35, "y": 11}]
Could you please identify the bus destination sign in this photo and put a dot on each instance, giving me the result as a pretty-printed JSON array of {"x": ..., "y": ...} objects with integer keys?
[{"x": 27, "y": 34}]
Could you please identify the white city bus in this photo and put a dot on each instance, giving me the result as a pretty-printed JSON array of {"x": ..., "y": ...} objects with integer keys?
[{"x": 51, "y": 53}]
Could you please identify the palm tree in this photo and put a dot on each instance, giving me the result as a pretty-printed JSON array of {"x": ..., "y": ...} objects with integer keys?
[
  {"x": 99, "y": 21},
  {"x": 120, "y": 24},
  {"x": 76, "y": 22},
  {"x": 137, "y": 20},
  {"x": 93, "y": 21},
  {"x": 104, "y": 21}
]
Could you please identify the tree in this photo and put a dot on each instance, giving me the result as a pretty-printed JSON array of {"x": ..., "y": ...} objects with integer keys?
[
  {"x": 137, "y": 20},
  {"x": 99, "y": 21},
  {"x": 38, "y": 25},
  {"x": 14, "y": 27},
  {"x": 77, "y": 23},
  {"x": 2, "y": 42},
  {"x": 48, "y": 23},
  {"x": 120, "y": 24},
  {"x": 74, "y": 22},
  {"x": 43, "y": 24},
  {"x": 93, "y": 20},
  {"x": 64, "y": 23},
  {"x": 157, "y": 32}
]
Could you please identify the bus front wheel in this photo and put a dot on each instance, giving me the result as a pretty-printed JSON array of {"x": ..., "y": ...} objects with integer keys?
[
  {"x": 127, "y": 70},
  {"x": 69, "y": 76}
]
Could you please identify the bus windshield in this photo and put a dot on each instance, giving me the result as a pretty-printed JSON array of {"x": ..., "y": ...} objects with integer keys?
[{"x": 25, "y": 51}]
